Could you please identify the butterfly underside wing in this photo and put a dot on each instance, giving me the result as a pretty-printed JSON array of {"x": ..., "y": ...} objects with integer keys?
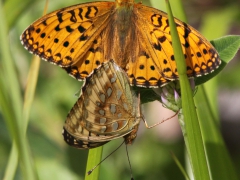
[{"x": 107, "y": 109}]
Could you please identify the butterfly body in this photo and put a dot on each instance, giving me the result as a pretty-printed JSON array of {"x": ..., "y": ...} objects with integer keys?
[
  {"x": 107, "y": 109},
  {"x": 79, "y": 38}
]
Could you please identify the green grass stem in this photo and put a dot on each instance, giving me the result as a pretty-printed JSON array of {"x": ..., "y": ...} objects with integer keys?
[{"x": 190, "y": 128}]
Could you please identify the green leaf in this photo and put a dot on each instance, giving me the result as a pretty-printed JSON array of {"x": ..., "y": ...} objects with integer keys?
[
  {"x": 227, "y": 48},
  {"x": 146, "y": 94},
  {"x": 219, "y": 162}
]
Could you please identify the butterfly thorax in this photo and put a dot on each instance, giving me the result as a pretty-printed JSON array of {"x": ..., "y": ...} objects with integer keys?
[{"x": 123, "y": 35}]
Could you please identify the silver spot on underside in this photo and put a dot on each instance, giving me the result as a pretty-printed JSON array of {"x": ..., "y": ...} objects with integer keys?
[
  {"x": 115, "y": 126},
  {"x": 119, "y": 115},
  {"x": 114, "y": 78},
  {"x": 116, "y": 67},
  {"x": 103, "y": 120},
  {"x": 102, "y": 97},
  {"x": 98, "y": 103},
  {"x": 101, "y": 112},
  {"x": 125, "y": 106},
  {"x": 109, "y": 92},
  {"x": 113, "y": 108},
  {"x": 119, "y": 94},
  {"x": 103, "y": 129}
]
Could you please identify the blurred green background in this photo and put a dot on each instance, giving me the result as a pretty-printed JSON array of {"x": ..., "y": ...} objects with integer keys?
[{"x": 150, "y": 154}]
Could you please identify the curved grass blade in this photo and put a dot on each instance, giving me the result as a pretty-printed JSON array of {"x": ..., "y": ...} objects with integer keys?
[
  {"x": 11, "y": 103},
  {"x": 29, "y": 94}
]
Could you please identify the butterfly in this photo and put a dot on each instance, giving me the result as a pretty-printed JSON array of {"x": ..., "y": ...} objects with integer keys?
[
  {"x": 107, "y": 109},
  {"x": 80, "y": 37}
]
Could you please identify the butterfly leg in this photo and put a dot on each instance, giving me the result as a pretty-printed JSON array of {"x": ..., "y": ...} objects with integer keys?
[
  {"x": 144, "y": 120},
  {"x": 149, "y": 127}
]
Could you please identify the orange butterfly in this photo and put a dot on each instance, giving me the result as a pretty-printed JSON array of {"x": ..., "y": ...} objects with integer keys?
[{"x": 80, "y": 37}]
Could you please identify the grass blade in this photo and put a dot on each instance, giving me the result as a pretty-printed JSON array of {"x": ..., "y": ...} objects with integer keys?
[
  {"x": 94, "y": 157},
  {"x": 190, "y": 128}
]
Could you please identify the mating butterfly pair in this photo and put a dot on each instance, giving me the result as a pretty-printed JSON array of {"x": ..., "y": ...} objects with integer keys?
[
  {"x": 81, "y": 37},
  {"x": 107, "y": 109}
]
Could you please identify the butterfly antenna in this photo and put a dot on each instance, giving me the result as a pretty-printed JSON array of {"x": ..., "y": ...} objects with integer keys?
[
  {"x": 45, "y": 7},
  {"x": 149, "y": 127},
  {"x": 129, "y": 163},
  {"x": 89, "y": 172}
]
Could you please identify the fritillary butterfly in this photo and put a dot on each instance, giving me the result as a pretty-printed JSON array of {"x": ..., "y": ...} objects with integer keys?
[
  {"x": 106, "y": 109},
  {"x": 80, "y": 37}
]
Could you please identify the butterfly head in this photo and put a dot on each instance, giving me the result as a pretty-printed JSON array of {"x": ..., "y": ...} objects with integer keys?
[{"x": 124, "y": 2}]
